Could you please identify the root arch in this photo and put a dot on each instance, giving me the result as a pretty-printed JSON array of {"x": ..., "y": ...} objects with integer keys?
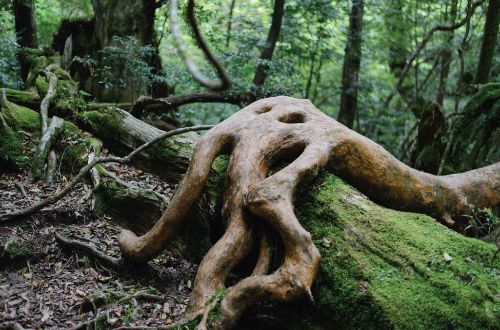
[{"x": 285, "y": 127}]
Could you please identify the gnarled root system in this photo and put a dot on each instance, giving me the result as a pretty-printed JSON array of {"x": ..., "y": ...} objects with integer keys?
[{"x": 284, "y": 128}]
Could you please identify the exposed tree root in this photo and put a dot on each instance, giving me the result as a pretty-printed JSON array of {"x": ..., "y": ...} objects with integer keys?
[
  {"x": 49, "y": 133},
  {"x": 284, "y": 128},
  {"x": 115, "y": 263}
]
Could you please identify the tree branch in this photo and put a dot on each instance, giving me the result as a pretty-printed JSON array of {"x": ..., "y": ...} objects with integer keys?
[
  {"x": 224, "y": 81},
  {"x": 146, "y": 104}
]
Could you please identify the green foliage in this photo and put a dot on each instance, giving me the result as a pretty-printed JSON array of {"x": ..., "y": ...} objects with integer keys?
[
  {"x": 50, "y": 13},
  {"x": 123, "y": 65},
  {"x": 9, "y": 66}
]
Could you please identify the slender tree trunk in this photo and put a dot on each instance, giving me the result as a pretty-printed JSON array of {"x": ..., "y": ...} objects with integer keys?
[
  {"x": 490, "y": 35},
  {"x": 314, "y": 57},
  {"x": 398, "y": 43},
  {"x": 446, "y": 58},
  {"x": 272, "y": 38},
  {"x": 24, "y": 15},
  {"x": 230, "y": 23},
  {"x": 352, "y": 60}
]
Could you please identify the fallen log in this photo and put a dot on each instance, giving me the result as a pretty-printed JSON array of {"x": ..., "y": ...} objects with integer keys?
[{"x": 121, "y": 132}]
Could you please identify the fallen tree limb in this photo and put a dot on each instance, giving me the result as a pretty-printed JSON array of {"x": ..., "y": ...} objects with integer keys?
[
  {"x": 145, "y": 105},
  {"x": 49, "y": 136},
  {"x": 121, "y": 132}
]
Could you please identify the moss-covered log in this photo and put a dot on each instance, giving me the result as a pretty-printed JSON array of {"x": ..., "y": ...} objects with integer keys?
[
  {"x": 122, "y": 132},
  {"x": 387, "y": 269},
  {"x": 113, "y": 197}
]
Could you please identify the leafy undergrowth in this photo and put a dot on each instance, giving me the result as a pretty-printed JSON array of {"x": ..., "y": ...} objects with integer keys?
[{"x": 44, "y": 285}]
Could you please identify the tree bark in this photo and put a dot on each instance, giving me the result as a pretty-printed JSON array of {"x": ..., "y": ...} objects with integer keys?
[
  {"x": 352, "y": 61},
  {"x": 120, "y": 18},
  {"x": 122, "y": 132},
  {"x": 488, "y": 46},
  {"x": 24, "y": 15},
  {"x": 146, "y": 105},
  {"x": 446, "y": 57}
]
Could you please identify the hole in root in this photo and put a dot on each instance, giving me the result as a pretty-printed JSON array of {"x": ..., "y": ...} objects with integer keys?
[
  {"x": 264, "y": 109},
  {"x": 293, "y": 118}
]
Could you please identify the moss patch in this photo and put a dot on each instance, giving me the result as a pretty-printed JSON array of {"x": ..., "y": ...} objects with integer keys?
[{"x": 14, "y": 150}]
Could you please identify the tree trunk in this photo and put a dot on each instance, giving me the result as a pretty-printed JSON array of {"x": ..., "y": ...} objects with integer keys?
[
  {"x": 272, "y": 38},
  {"x": 490, "y": 35},
  {"x": 124, "y": 18},
  {"x": 122, "y": 132},
  {"x": 230, "y": 23},
  {"x": 24, "y": 15},
  {"x": 352, "y": 60},
  {"x": 476, "y": 131},
  {"x": 427, "y": 153},
  {"x": 446, "y": 58}
]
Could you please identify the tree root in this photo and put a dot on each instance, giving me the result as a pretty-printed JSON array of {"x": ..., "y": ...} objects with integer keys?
[
  {"x": 287, "y": 129},
  {"x": 106, "y": 260},
  {"x": 49, "y": 132}
]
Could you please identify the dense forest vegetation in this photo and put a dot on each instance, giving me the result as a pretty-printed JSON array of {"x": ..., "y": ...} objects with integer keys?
[{"x": 288, "y": 164}]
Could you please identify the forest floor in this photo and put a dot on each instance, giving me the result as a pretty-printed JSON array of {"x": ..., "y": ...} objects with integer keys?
[{"x": 45, "y": 285}]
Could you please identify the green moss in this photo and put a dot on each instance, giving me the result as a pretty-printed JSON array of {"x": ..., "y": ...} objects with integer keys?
[
  {"x": 11, "y": 150},
  {"x": 75, "y": 147},
  {"x": 22, "y": 97},
  {"x": 37, "y": 63},
  {"x": 25, "y": 119},
  {"x": 18, "y": 249},
  {"x": 67, "y": 99},
  {"x": 476, "y": 132},
  {"x": 13, "y": 120},
  {"x": 486, "y": 93},
  {"x": 103, "y": 123},
  {"x": 386, "y": 269},
  {"x": 42, "y": 86}
]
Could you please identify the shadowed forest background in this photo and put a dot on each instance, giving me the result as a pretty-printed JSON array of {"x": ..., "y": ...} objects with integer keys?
[{"x": 100, "y": 101}]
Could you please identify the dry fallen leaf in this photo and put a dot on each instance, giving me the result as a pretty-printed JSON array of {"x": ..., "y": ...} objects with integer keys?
[{"x": 46, "y": 314}]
